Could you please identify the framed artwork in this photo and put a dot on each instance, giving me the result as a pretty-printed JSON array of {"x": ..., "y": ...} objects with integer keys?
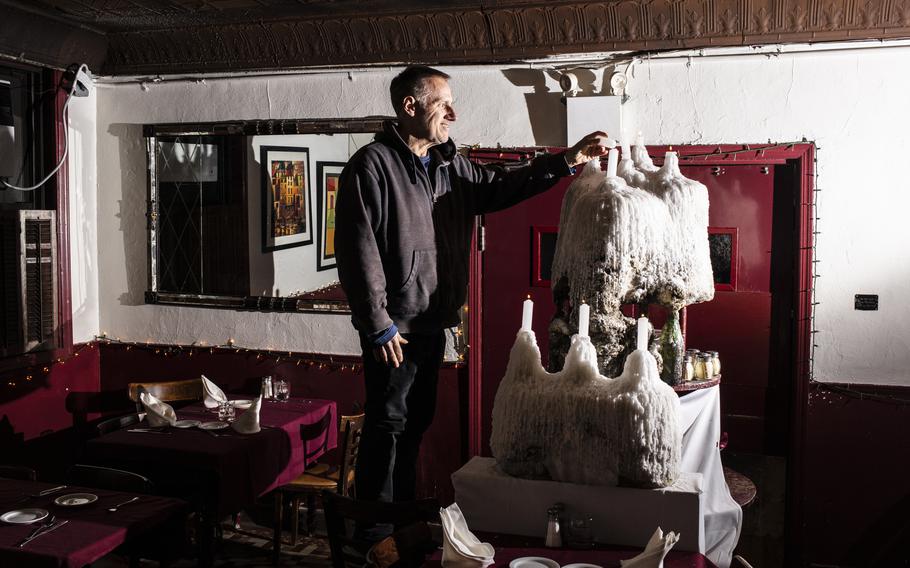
[
  {"x": 722, "y": 242},
  {"x": 286, "y": 218},
  {"x": 328, "y": 174},
  {"x": 543, "y": 249}
]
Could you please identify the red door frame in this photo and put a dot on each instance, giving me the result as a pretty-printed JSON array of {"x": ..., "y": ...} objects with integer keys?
[{"x": 803, "y": 154}]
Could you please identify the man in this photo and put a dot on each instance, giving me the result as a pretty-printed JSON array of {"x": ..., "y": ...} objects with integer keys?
[{"x": 404, "y": 220}]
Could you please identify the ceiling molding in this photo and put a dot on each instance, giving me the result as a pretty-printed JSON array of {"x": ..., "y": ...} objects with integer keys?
[
  {"x": 169, "y": 37},
  {"x": 516, "y": 32}
]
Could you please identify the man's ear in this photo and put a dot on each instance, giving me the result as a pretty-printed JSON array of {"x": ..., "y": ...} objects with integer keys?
[{"x": 409, "y": 105}]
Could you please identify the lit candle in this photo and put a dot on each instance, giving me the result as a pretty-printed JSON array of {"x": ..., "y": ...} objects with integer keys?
[
  {"x": 527, "y": 312},
  {"x": 584, "y": 313},
  {"x": 612, "y": 162},
  {"x": 644, "y": 329}
]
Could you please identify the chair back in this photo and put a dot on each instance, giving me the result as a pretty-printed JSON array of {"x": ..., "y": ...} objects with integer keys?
[
  {"x": 347, "y": 549},
  {"x": 18, "y": 472},
  {"x": 116, "y": 423},
  {"x": 316, "y": 431},
  {"x": 351, "y": 430},
  {"x": 167, "y": 391},
  {"x": 109, "y": 478}
]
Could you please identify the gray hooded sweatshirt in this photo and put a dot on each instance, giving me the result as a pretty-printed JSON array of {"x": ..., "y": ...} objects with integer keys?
[{"x": 403, "y": 232}]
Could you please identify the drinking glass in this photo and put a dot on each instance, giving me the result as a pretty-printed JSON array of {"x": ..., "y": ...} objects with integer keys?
[
  {"x": 581, "y": 532},
  {"x": 226, "y": 411},
  {"x": 282, "y": 390}
]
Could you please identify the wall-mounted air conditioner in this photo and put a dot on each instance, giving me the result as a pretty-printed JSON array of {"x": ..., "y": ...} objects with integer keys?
[{"x": 28, "y": 285}]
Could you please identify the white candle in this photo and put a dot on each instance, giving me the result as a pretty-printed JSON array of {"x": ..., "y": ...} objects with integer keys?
[
  {"x": 626, "y": 150},
  {"x": 584, "y": 314},
  {"x": 612, "y": 162},
  {"x": 644, "y": 329},
  {"x": 527, "y": 312}
]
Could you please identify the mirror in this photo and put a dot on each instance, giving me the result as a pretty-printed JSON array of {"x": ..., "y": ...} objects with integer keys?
[{"x": 241, "y": 214}]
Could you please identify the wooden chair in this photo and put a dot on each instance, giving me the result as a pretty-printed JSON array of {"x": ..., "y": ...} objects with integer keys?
[
  {"x": 168, "y": 391},
  {"x": 108, "y": 478},
  {"x": 319, "y": 477},
  {"x": 116, "y": 423},
  {"x": 348, "y": 550},
  {"x": 21, "y": 472}
]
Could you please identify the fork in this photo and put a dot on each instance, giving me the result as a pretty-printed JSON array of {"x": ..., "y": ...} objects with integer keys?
[
  {"x": 42, "y": 531},
  {"x": 41, "y": 526}
]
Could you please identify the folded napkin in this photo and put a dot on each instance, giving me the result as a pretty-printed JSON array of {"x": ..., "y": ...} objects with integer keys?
[
  {"x": 156, "y": 412},
  {"x": 653, "y": 556},
  {"x": 460, "y": 548},
  {"x": 248, "y": 423},
  {"x": 212, "y": 395}
]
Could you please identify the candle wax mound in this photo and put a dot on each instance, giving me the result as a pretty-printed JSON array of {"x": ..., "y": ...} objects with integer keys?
[
  {"x": 640, "y": 237},
  {"x": 579, "y": 426}
]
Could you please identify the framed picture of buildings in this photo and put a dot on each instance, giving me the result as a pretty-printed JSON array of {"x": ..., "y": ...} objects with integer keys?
[
  {"x": 286, "y": 218},
  {"x": 328, "y": 174}
]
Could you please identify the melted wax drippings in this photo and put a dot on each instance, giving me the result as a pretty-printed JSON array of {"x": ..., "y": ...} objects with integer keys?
[
  {"x": 579, "y": 426},
  {"x": 638, "y": 237}
]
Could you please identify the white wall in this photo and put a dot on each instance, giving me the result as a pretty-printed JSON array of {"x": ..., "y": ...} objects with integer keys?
[
  {"x": 83, "y": 216},
  {"x": 851, "y": 103}
]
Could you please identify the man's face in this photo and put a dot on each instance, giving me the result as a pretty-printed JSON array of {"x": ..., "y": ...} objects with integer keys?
[{"x": 435, "y": 112}]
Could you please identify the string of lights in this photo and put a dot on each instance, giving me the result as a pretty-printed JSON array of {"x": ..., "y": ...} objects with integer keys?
[{"x": 319, "y": 362}]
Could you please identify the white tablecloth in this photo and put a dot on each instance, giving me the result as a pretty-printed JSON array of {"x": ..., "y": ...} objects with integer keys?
[{"x": 699, "y": 420}]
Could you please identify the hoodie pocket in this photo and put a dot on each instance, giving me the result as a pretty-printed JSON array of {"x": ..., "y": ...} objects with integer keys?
[{"x": 420, "y": 285}]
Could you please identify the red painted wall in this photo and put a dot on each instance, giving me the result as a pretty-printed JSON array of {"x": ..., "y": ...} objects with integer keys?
[
  {"x": 856, "y": 493},
  {"x": 29, "y": 408}
]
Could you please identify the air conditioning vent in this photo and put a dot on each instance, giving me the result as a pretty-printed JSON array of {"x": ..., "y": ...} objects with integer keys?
[{"x": 28, "y": 252}]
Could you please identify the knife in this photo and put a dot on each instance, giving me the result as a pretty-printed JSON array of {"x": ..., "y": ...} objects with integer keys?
[
  {"x": 45, "y": 531},
  {"x": 148, "y": 431}
]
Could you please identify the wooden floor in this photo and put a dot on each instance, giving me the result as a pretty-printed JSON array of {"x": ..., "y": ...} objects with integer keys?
[{"x": 251, "y": 546}]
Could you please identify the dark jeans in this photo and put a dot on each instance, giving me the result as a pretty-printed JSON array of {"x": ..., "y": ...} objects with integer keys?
[{"x": 400, "y": 404}]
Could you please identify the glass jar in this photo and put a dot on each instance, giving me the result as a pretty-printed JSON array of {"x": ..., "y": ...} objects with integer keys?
[
  {"x": 715, "y": 358},
  {"x": 689, "y": 373},
  {"x": 704, "y": 369},
  {"x": 701, "y": 370},
  {"x": 672, "y": 348}
]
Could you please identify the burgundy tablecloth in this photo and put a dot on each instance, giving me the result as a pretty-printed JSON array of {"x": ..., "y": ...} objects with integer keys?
[
  {"x": 228, "y": 471},
  {"x": 510, "y": 547},
  {"x": 91, "y": 532}
]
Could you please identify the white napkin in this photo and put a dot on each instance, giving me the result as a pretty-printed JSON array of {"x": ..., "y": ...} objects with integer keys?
[
  {"x": 653, "y": 556},
  {"x": 248, "y": 423},
  {"x": 460, "y": 548},
  {"x": 158, "y": 413},
  {"x": 212, "y": 395}
]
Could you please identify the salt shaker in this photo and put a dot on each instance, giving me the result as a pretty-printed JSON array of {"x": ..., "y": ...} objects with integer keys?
[
  {"x": 554, "y": 528},
  {"x": 267, "y": 391}
]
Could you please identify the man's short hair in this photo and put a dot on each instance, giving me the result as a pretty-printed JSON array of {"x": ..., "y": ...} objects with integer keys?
[{"x": 412, "y": 82}]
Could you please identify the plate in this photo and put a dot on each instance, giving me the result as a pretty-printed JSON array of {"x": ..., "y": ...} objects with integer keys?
[
  {"x": 23, "y": 516},
  {"x": 242, "y": 403},
  {"x": 186, "y": 423},
  {"x": 533, "y": 562},
  {"x": 213, "y": 425},
  {"x": 75, "y": 499},
  {"x": 582, "y": 565}
]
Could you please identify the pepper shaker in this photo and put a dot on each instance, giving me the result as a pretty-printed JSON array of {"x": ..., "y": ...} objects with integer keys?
[
  {"x": 554, "y": 527},
  {"x": 267, "y": 391}
]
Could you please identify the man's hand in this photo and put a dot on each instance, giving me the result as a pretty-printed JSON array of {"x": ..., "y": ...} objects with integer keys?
[
  {"x": 590, "y": 147},
  {"x": 391, "y": 353}
]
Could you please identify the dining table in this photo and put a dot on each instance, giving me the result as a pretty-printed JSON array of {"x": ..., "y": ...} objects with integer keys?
[
  {"x": 83, "y": 528},
  {"x": 222, "y": 470},
  {"x": 510, "y": 547}
]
